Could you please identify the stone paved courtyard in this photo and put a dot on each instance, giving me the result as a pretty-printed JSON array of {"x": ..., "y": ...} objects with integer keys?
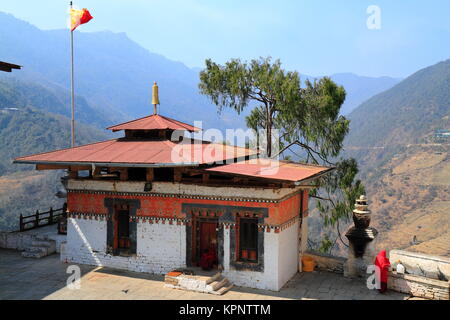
[{"x": 27, "y": 278}]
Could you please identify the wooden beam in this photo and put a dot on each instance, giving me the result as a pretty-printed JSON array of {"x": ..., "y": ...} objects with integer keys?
[
  {"x": 80, "y": 168},
  {"x": 50, "y": 167}
]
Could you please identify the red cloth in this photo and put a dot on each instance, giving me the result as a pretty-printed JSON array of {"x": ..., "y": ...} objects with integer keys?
[
  {"x": 383, "y": 263},
  {"x": 208, "y": 259}
]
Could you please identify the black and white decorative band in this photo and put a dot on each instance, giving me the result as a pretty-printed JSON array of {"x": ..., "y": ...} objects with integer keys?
[
  {"x": 181, "y": 196},
  {"x": 179, "y": 221}
]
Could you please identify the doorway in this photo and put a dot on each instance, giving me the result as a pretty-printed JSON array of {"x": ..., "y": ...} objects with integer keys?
[{"x": 206, "y": 241}]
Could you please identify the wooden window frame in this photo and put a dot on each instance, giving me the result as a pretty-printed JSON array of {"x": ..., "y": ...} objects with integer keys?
[{"x": 247, "y": 252}]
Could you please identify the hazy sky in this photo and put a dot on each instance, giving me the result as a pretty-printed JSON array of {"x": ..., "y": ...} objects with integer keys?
[{"x": 316, "y": 37}]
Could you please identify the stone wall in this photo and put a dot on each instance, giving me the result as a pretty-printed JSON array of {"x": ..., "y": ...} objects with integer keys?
[
  {"x": 325, "y": 262},
  {"x": 15, "y": 240},
  {"x": 21, "y": 240},
  {"x": 434, "y": 267},
  {"x": 419, "y": 286}
]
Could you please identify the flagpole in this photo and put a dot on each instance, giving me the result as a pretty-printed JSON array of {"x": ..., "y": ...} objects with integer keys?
[{"x": 72, "y": 86}]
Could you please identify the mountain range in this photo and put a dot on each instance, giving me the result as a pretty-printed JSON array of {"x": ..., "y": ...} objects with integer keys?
[
  {"x": 405, "y": 170},
  {"x": 114, "y": 75}
]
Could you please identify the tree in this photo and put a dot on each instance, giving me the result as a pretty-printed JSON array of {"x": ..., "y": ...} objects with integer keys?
[
  {"x": 307, "y": 117},
  {"x": 238, "y": 84}
]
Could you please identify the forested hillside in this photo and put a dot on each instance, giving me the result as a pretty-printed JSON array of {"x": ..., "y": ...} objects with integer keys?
[
  {"x": 26, "y": 128},
  {"x": 405, "y": 114},
  {"x": 406, "y": 172}
]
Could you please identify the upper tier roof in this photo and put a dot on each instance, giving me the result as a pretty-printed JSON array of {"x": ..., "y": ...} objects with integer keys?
[
  {"x": 140, "y": 153},
  {"x": 154, "y": 122}
]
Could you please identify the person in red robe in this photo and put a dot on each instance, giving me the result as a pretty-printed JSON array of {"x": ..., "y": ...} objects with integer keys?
[
  {"x": 208, "y": 258},
  {"x": 383, "y": 264}
]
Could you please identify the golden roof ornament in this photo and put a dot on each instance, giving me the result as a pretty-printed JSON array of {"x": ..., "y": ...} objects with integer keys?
[{"x": 155, "y": 98}]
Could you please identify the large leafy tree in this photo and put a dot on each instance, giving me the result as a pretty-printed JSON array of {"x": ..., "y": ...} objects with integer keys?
[
  {"x": 237, "y": 84},
  {"x": 307, "y": 118}
]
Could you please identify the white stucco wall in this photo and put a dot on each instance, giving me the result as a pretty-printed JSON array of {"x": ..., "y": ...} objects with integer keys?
[
  {"x": 163, "y": 245},
  {"x": 160, "y": 247},
  {"x": 86, "y": 235},
  {"x": 288, "y": 253},
  {"x": 181, "y": 189},
  {"x": 280, "y": 261}
]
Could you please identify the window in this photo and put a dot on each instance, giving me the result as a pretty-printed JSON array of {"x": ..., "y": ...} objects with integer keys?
[{"x": 248, "y": 240}]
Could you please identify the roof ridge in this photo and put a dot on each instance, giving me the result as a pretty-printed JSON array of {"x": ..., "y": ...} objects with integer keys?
[
  {"x": 120, "y": 124},
  {"x": 158, "y": 120},
  {"x": 176, "y": 121}
]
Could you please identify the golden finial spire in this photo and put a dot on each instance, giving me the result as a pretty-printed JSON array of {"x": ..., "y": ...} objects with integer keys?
[{"x": 155, "y": 98}]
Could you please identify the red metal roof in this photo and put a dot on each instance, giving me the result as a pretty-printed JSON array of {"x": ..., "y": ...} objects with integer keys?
[
  {"x": 272, "y": 169},
  {"x": 140, "y": 153},
  {"x": 154, "y": 122}
]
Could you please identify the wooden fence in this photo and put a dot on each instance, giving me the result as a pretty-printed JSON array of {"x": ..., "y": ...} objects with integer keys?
[{"x": 40, "y": 219}]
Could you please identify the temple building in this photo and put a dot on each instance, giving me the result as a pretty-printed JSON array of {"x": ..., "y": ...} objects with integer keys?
[{"x": 155, "y": 200}]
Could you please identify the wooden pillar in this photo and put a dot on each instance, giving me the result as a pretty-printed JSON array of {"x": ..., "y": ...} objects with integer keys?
[
  {"x": 150, "y": 174},
  {"x": 123, "y": 174},
  {"x": 177, "y": 174},
  {"x": 50, "y": 216},
  {"x": 73, "y": 174},
  {"x": 205, "y": 177},
  {"x": 21, "y": 222},
  {"x": 36, "y": 219},
  {"x": 96, "y": 172}
]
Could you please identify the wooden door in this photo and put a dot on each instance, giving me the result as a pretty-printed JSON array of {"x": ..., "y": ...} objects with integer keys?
[{"x": 208, "y": 236}]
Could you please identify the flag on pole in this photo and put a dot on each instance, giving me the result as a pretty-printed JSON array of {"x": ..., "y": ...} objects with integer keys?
[{"x": 79, "y": 17}]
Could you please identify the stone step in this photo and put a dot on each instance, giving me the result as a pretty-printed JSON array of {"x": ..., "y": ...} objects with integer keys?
[
  {"x": 223, "y": 290},
  {"x": 215, "y": 277},
  {"x": 40, "y": 247},
  {"x": 42, "y": 237},
  {"x": 216, "y": 285},
  {"x": 36, "y": 255},
  {"x": 37, "y": 249},
  {"x": 43, "y": 243}
]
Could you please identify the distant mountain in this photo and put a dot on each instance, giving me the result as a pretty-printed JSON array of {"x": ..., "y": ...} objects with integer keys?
[
  {"x": 405, "y": 114},
  {"x": 361, "y": 88},
  {"x": 26, "y": 127},
  {"x": 406, "y": 173},
  {"x": 48, "y": 97},
  {"x": 115, "y": 74}
]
